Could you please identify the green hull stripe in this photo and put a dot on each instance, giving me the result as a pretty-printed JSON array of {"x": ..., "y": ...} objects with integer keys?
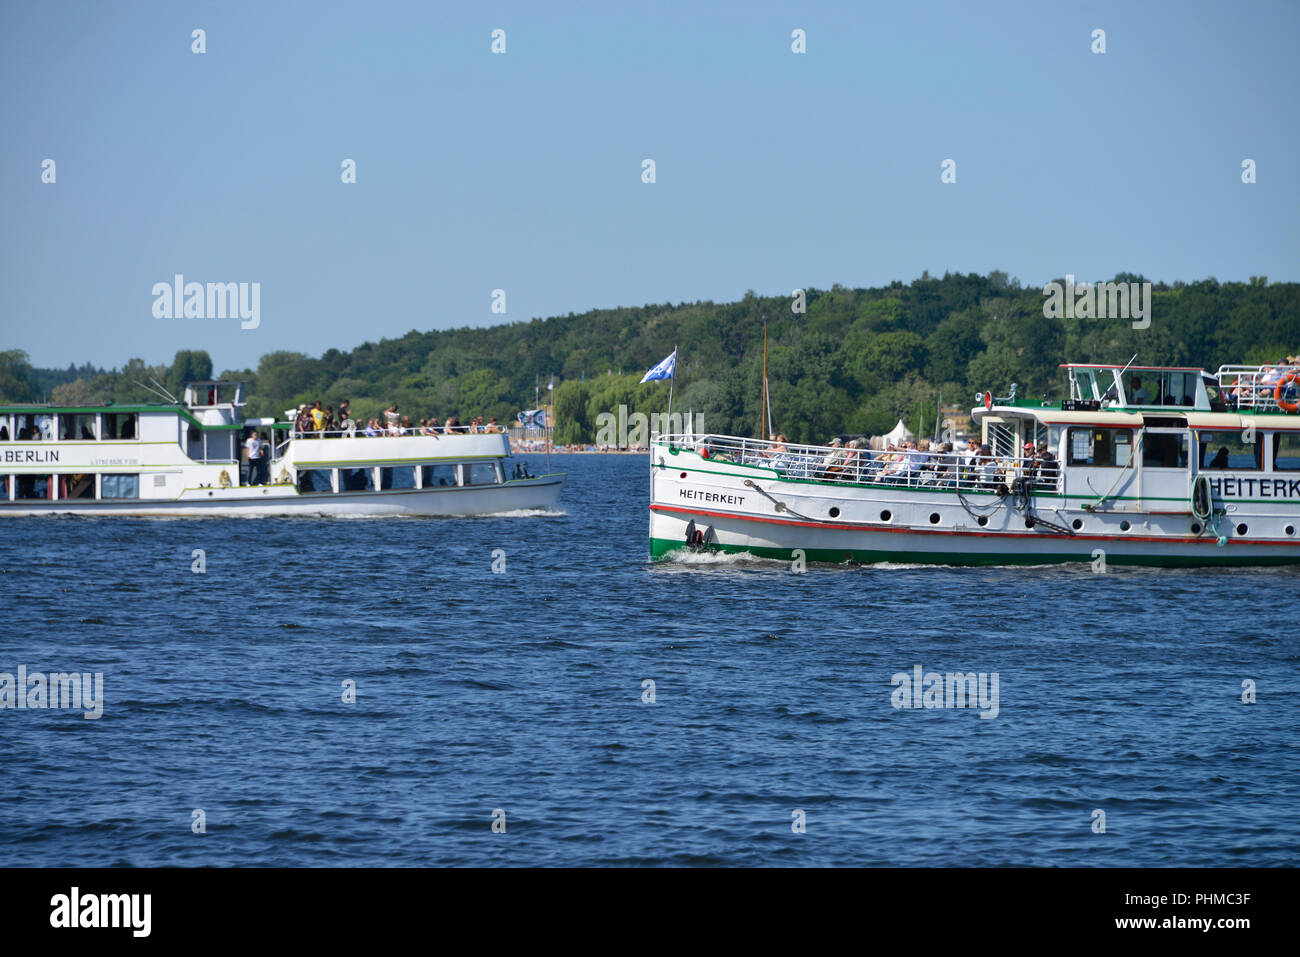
[{"x": 659, "y": 547}]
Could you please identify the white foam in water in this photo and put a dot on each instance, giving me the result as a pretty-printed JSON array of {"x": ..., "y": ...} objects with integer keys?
[{"x": 681, "y": 556}]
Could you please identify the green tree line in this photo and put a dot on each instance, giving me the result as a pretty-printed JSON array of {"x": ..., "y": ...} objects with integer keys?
[{"x": 855, "y": 360}]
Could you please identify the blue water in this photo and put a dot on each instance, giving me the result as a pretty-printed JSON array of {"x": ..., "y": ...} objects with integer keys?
[{"x": 522, "y": 691}]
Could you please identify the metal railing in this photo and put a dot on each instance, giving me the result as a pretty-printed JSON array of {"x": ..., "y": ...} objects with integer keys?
[
  {"x": 384, "y": 433},
  {"x": 897, "y": 468},
  {"x": 1253, "y": 387}
]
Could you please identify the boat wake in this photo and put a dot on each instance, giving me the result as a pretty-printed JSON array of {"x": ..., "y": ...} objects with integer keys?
[{"x": 681, "y": 556}]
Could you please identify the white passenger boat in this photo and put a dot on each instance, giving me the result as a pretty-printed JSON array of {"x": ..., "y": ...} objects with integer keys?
[
  {"x": 1148, "y": 465},
  {"x": 183, "y": 459}
]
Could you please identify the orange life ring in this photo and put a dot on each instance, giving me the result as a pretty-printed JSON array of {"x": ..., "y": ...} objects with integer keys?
[{"x": 1281, "y": 385}]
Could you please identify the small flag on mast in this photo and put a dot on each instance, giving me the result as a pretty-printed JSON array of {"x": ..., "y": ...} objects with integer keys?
[{"x": 664, "y": 370}]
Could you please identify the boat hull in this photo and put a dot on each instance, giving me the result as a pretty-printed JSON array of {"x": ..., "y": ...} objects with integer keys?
[
  {"x": 753, "y": 510},
  {"x": 284, "y": 500}
]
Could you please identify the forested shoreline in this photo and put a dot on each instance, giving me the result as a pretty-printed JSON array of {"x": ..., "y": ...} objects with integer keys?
[{"x": 856, "y": 360}]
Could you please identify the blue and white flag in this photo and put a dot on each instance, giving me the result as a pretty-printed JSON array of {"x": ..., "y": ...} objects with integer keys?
[
  {"x": 664, "y": 370},
  {"x": 533, "y": 418}
]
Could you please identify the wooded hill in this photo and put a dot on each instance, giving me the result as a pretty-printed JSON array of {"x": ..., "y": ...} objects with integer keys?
[{"x": 856, "y": 360}]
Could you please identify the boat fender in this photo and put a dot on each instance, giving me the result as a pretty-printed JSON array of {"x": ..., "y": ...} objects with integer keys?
[
  {"x": 1202, "y": 498},
  {"x": 1283, "y": 404}
]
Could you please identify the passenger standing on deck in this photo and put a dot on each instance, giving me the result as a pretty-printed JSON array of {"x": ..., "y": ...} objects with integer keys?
[
  {"x": 986, "y": 468},
  {"x": 1049, "y": 470},
  {"x": 254, "y": 446},
  {"x": 264, "y": 461}
]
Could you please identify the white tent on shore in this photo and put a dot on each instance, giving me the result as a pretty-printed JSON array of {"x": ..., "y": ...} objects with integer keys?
[{"x": 899, "y": 433}]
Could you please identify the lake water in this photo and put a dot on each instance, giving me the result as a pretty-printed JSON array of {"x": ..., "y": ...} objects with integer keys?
[{"x": 522, "y": 692}]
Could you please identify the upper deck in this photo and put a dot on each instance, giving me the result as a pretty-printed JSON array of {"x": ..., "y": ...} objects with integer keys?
[{"x": 1137, "y": 393}]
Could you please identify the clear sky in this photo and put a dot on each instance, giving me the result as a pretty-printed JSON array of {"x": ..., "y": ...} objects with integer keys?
[{"x": 523, "y": 171}]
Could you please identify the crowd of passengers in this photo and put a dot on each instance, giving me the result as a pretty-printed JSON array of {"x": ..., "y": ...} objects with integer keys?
[
  {"x": 911, "y": 463},
  {"x": 312, "y": 421},
  {"x": 1266, "y": 385}
]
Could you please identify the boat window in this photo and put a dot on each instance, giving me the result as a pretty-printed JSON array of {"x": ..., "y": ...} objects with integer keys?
[
  {"x": 1286, "y": 452},
  {"x": 481, "y": 473},
  {"x": 1101, "y": 447},
  {"x": 314, "y": 481},
  {"x": 1156, "y": 387},
  {"x": 76, "y": 427},
  {"x": 5, "y": 482},
  {"x": 1226, "y": 449},
  {"x": 436, "y": 476},
  {"x": 121, "y": 425},
  {"x": 33, "y": 486},
  {"x": 77, "y": 486},
  {"x": 5, "y": 423},
  {"x": 356, "y": 480},
  {"x": 402, "y": 476},
  {"x": 120, "y": 486},
  {"x": 33, "y": 427},
  {"x": 1164, "y": 450}
]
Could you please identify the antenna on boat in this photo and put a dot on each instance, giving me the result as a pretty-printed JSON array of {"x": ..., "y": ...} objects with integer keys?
[{"x": 160, "y": 391}]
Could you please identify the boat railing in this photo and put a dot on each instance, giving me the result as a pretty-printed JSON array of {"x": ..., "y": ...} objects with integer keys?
[
  {"x": 1253, "y": 387},
  {"x": 854, "y": 465},
  {"x": 400, "y": 433}
]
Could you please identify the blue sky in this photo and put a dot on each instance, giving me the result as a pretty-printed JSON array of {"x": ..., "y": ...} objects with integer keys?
[{"x": 522, "y": 171}]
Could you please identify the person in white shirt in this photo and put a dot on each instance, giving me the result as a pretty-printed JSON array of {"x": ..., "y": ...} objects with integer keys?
[{"x": 254, "y": 446}]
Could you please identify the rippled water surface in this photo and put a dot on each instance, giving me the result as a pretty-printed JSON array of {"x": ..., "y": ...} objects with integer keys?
[{"x": 522, "y": 691}]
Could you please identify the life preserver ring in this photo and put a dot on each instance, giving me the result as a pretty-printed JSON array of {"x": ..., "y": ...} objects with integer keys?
[
  {"x": 1281, "y": 387},
  {"x": 988, "y": 400}
]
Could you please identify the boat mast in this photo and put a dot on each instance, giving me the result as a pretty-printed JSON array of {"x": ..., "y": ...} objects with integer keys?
[
  {"x": 763, "y": 406},
  {"x": 672, "y": 382}
]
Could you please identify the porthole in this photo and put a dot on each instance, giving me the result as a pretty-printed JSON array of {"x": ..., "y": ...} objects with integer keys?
[
  {"x": 835, "y": 512},
  {"x": 983, "y": 520},
  {"x": 886, "y": 515},
  {"x": 1077, "y": 524},
  {"x": 934, "y": 518},
  {"x": 1196, "y": 528},
  {"x": 1124, "y": 526},
  {"x": 1029, "y": 523},
  {"x": 683, "y": 475},
  {"x": 1290, "y": 529},
  {"x": 1241, "y": 529}
]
